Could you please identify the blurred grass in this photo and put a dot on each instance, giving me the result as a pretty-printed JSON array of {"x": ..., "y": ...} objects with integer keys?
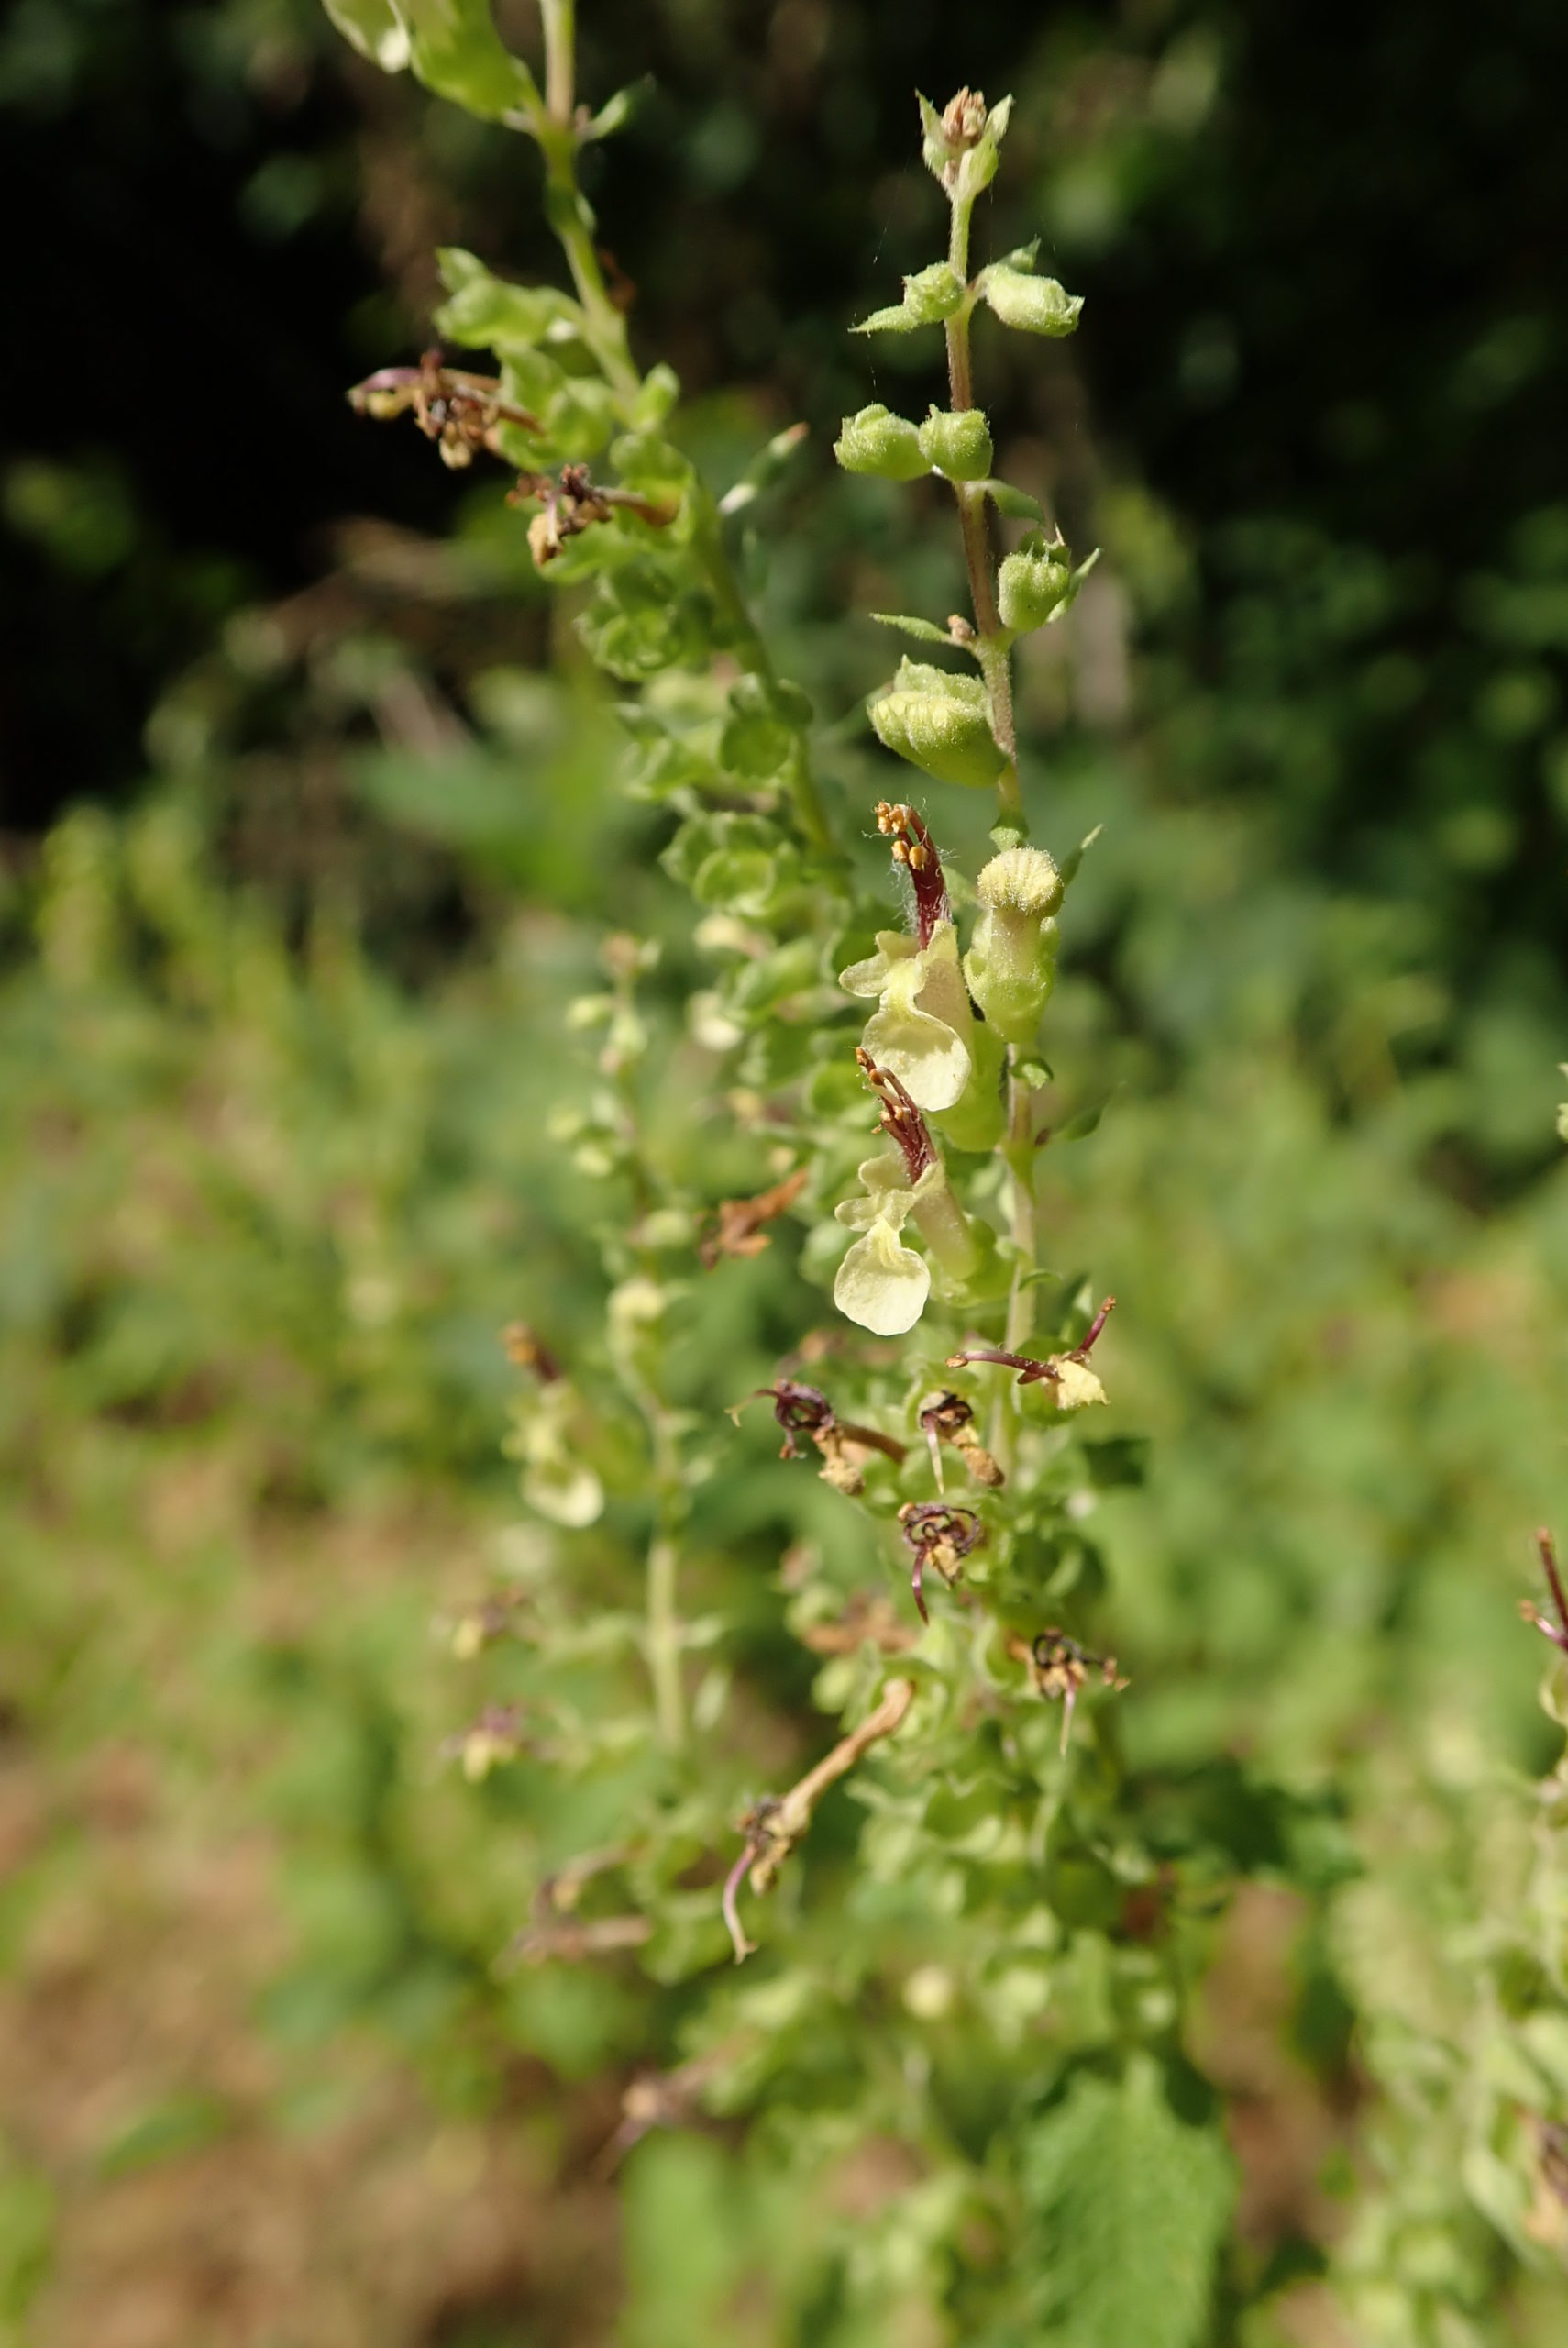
[{"x": 263, "y": 1210}]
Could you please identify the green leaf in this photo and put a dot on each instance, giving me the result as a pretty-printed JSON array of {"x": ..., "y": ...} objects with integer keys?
[
  {"x": 926, "y": 631},
  {"x": 487, "y": 312},
  {"x": 457, "y": 52},
  {"x": 931, "y": 296},
  {"x": 616, "y": 112},
  {"x": 372, "y": 28},
  {"x": 1068, "y": 867},
  {"x": 1079, "y": 1126},
  {"x": 1133, "y": 2204},
  {"x": 1016, "y": 504},
  {"x": 764, "y": 469}
]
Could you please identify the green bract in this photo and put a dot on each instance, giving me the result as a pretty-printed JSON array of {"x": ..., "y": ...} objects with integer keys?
[
  {"x": 1036, "y": 304},
  {"x": 958, "y": 442},
  {"x": 877, "y": 442},
  {"x": 929, "y": 297},
  {"x": 942, "y": 724}
]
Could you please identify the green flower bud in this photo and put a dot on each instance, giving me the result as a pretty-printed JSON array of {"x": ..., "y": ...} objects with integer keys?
[
  {"x": 934, "y": 294},
  {"x": 1033, "y": 584},
  {"x": 942, "y": 724},
  {"x": 1034, "y": 305},
  {"x": 957, "y": 441},
  {"x": 877, "y": 442},
  {"x": 1012, "y": 965}
]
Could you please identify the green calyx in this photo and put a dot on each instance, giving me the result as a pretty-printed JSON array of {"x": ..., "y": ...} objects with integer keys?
[
  {"x": 1038, "y": 584},
  {"x": 942, "y": 724},
  {"x": 1012, "y": 965},
  {"x": 1034, "y": 305},
  {"x": 957, "y": 441},
  {"x": 931, "y": 296},
  {"x": 875, "y": 441}
]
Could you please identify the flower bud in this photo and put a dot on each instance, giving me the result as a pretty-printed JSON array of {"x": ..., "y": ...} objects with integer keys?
[
  {"x": 934, "y": 294},
  {"x": 940, "y": 723},
  {"x": 1012, "y": 965},
  {"x": 877, "y": 442},
  {"x": 957, "y": 441},
  {"x": 1033, "y": 584},
  {"x": 1034, "y": 305}
]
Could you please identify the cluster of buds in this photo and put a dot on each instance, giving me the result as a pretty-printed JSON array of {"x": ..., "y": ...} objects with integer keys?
[{"x": 461, "y": 412}]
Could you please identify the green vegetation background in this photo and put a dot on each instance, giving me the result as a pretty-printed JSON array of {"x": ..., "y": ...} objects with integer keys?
[{"x": 333, "y": 819}]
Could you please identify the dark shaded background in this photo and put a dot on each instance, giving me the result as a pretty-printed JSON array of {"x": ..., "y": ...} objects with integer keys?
[{"x": 1323, "y": 250}]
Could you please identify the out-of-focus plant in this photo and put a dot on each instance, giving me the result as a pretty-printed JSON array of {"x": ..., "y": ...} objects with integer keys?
[{"x": 1007, "y": 1868}]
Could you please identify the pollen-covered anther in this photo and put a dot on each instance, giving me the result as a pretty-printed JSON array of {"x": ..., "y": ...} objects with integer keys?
[
  {"x": 940, "y": 1536},
  {"x": 915, "y": 848}
]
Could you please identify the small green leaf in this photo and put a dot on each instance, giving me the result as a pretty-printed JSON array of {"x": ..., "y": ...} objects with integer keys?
[
  {"x": 1132, "y": 2205},
  {"x": 616, "y": 112},
  {"x": 1085, "y": 1122},
  {"x": 765, "y": 468},
  {"x": 925, "y": 631},
  {"x": 1016, "y": 504},
  {"x": 372, "y": 28},
  {"x": 931, "y": 296},
  {"x": 457, "y": 53},
  {"x": 1068, "y": 867}
]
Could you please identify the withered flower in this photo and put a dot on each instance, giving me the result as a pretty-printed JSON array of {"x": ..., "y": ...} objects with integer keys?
[
  {"x": 461, "y": 412},
  {"x": 844, "y": 1445},
  {"x": 940, "y": 1536},
  {"x": 573, "y": 503},
  {"x": 1058, "y": 1667},
  {"x": 739, "y": 1231},
  {"x": 947, "y": 1418}
]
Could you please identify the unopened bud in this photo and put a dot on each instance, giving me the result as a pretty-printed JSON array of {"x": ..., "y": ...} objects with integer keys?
[
  {"x": 957, "y": 441},
  {"x": 940, "y": 723},
  {"x": 875, "y": 441},
  {"x": 1033, "y": 584},
  {"x": 1012, "y": 965},
  {"x": 1034, "y": 305}
]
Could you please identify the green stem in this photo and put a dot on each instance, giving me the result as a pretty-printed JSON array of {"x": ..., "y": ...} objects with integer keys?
[
  {"x": 664, "y": 1643},
  {"x": 1020, "y": 1156},
  {"x": 560, "y": 57},
  {"x": 992, "y": 644},
  {"x": 567, "y": 213}
]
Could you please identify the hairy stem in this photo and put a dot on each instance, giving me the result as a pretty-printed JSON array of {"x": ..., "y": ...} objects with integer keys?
[
  {"x": 992, "y": 646},
  {"x": 1019, "y": 1155}
]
